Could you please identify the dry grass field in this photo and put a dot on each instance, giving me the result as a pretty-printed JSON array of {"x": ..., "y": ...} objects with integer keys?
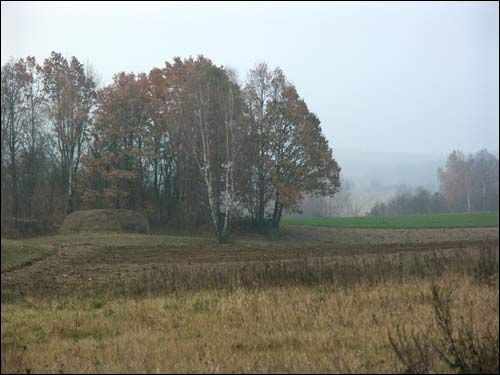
[{"x": 316, "y": 300}]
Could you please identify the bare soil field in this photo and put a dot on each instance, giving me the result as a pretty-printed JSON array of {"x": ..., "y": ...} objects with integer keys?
[{"x": 356, "y": 236}]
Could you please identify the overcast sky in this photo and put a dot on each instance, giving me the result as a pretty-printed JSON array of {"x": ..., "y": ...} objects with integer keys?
[{"x": 419, "y": 78}]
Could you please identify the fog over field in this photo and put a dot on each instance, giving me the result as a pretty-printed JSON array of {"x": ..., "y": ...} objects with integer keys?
[{"x": 372, "y": 171}]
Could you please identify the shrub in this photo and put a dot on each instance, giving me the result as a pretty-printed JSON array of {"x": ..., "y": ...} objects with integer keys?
[
  {"x": 412, "y": 349},
  {"x": 462, "y": 346},
  {"x": 458, "y": 342}
]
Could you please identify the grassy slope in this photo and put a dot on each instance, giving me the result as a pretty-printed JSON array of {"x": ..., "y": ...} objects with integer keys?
[
  {"x": 466, "y": 220},
  {"x": 16, "y": 252},
  {"x": 21, "y": 251}
]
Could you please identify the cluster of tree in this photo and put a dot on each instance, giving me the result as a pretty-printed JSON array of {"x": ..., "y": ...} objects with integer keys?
[
  {"x": 187, "y": 144},
  {"x": 466, "y": 184},
  {"x": 38, "y": 165}
]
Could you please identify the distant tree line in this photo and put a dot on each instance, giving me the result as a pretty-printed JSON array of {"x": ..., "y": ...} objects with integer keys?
[
  {"x": 467, "y": 183},
  {"x": 187, "y": 144},
  {"x": 421, "y": 201}
]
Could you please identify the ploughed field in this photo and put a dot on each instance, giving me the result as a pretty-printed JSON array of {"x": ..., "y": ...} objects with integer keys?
[
  {"x": 65, "y": 263},
  {"x": 311, "y": 299}
]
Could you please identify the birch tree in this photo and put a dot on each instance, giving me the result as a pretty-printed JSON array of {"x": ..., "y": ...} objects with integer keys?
[
  {"x": 456, "y": 181},
  {"x": 213, "y": 138},
  {"x": 485, "y": 180}
]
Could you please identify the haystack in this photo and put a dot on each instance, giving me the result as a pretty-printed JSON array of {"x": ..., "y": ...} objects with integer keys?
[{"x": 105, "y": 220}]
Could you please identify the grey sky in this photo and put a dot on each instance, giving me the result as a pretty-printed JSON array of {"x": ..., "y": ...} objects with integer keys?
[{"x": 418, "y": 78}]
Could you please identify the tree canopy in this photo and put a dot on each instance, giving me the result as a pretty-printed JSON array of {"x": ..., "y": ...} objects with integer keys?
[{"x": 187, "y": 144}]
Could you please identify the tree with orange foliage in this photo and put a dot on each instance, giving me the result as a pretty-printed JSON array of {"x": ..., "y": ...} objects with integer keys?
[
  {"x": 291, "y": 155},
  {"x": 117, "y": 162}
]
